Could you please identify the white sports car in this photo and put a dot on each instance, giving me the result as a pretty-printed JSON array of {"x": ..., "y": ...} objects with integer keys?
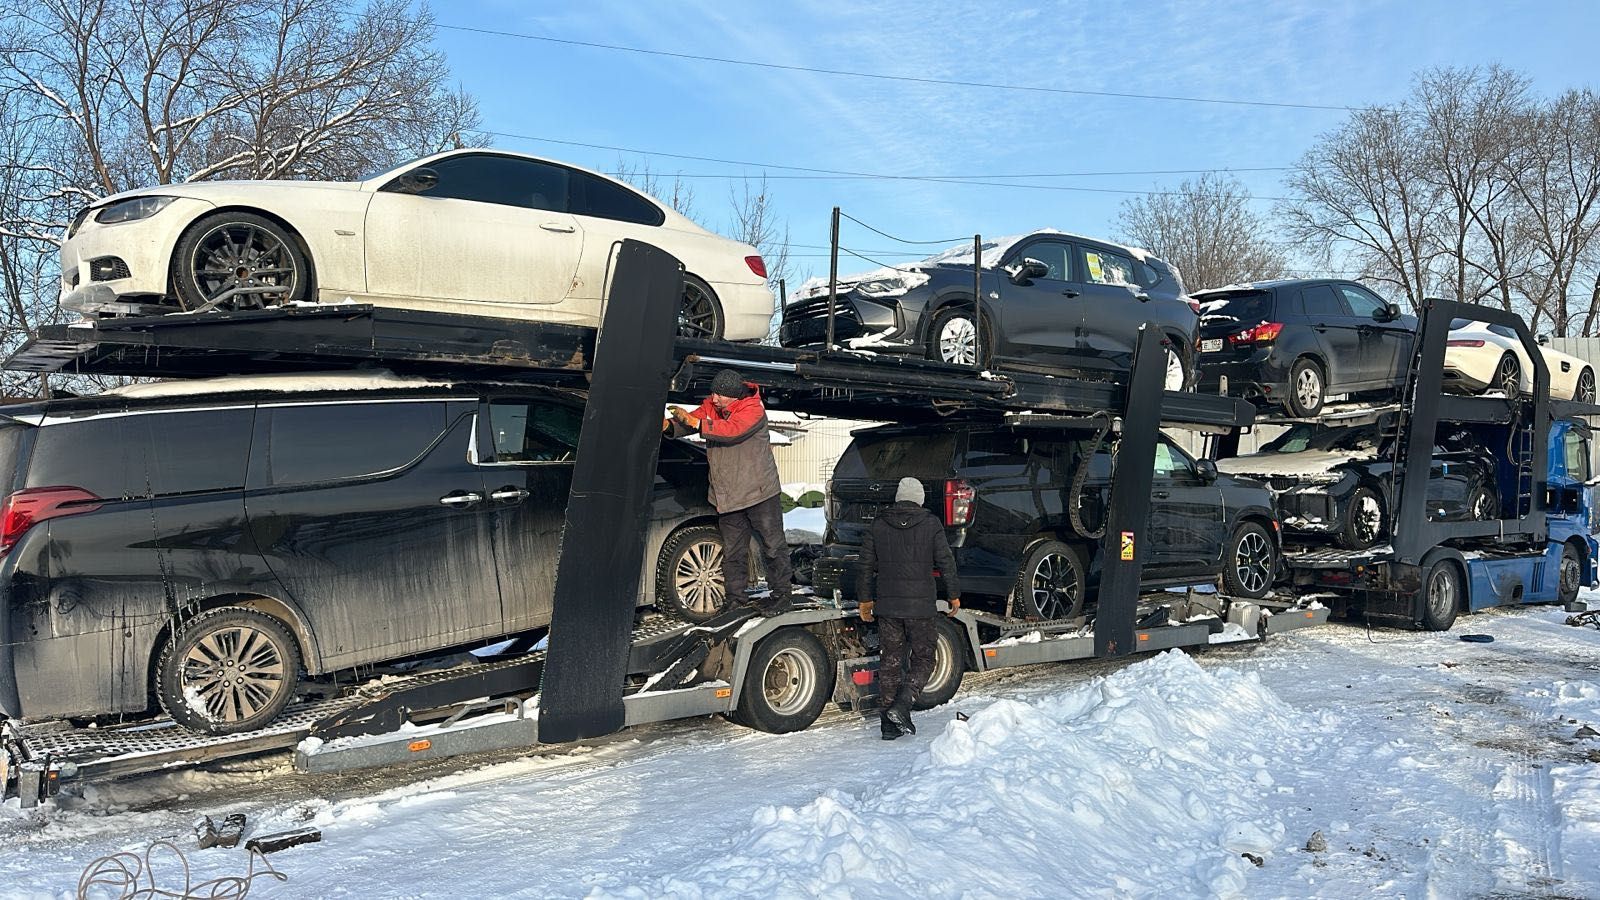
[
  {"x": 483, "y": 232},
  {"x": 1481, "y": 357}
]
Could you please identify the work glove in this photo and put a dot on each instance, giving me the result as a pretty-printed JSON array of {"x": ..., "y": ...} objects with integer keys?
[
  {"x": 865, "y": 608},
  {"x": 684, "y": 419},
  {"x": 955, "y": 604},
  {"x": 666, "y": 425}
]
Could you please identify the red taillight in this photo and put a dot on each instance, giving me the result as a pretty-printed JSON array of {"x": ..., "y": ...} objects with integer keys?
[
  {"x": 756, "y": 266},
  {"x": 1195, "y": 305},
  {"x": 1265, "y": 333},
  {"x": 958, "y": 497},
  {"x": 27, "y": 508},
  {"x": 1463, "y": 343}
]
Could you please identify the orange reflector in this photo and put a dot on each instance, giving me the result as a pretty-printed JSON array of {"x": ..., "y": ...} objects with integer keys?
[
  {"x": 1143, "y": 636},
  {"x": 990, "y": 652},
  {"x": 724, "y": 693},
  {"x": 1311, "y": 615},
  {"x": 419, "y": 746}
]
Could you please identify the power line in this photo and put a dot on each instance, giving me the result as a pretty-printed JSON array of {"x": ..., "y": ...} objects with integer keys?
[
  {"x": 945, "y": 242},
  {"x": 949, "y": 177},
  {"x": 914, "y": 79}
]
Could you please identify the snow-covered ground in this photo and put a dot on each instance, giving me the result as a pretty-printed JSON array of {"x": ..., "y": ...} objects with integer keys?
[{"x": 1419, "y": 766}]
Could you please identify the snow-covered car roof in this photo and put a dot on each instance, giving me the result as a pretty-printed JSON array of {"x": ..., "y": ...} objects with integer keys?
[{"x": 375, "y": 380}]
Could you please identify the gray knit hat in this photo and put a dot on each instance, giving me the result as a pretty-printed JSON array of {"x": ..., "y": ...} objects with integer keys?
[
  {"x": 910, "y": 489},
  {"x": 728, "y": 383}
]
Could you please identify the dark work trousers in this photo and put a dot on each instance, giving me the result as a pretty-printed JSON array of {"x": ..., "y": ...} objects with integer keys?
[
  {"x": 765, "y": 522},
  {"x": 904, "y": 644}
]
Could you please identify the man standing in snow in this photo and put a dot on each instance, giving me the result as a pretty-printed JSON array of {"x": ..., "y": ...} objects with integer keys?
[
  {"x": 895, "y": 585},
  {"x": 744, "y": 484}
]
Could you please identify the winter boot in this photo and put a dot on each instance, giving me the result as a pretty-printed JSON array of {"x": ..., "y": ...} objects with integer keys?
[
  {"x": 776, "y": 606},
  {"x": 890, "y": 729},
  {"x": 899, "y": 715}
]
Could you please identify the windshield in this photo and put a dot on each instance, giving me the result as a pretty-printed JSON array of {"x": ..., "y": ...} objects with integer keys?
[{"x": 1320, "y": 437}]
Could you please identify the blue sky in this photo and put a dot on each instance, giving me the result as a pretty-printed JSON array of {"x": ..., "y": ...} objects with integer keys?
[{"x": 1333, "y": 53}]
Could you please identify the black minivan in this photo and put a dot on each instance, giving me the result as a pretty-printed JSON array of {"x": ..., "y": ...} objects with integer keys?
[
  {"x": 206, "y": 543},
  {"x": 1021, "y": 549},
  {"x": 1296, "y": 343}
]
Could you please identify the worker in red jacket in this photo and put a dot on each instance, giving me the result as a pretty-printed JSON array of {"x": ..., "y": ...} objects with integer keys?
[{"x": 744, "y": 485}]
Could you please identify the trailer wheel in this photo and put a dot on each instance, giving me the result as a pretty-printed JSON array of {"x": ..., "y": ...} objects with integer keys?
[
  {"x": 238, "y": 260},
  {"x": 789, "y": 681},
  {"x": 1051, "y": 583},
  {"x": 1571, "y": 577},
  {"x": 228, "y": 670},
  {"x": 1366, "y": 520},
  {"x": 689, "y": 575},
  {"x": 949, "y": 665},
  {"x": 1307, "y": 388},
  {"x": 1250, "y": 563},
  {"x": 1441, "y": 596}
]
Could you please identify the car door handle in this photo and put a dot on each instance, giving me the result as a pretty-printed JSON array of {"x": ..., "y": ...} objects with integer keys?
[
  {"x": 557, "y": 226},
  {"x": 1069, "y": 293},
  {"x": 461, "y": 499},
  {"x": 1321, "y": 328},
  {"x": 509, "y": 495},
  {"x": 1161, "y": 495},
  {"x": 1142, "y": 297}
]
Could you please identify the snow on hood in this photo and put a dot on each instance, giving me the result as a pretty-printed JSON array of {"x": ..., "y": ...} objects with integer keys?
[
  {"x": 210, "y": 190},
  {"x": 234, "y": 384},
  {"x": 1303, "y": 463},
  {"x": 1157, "y": 778}
]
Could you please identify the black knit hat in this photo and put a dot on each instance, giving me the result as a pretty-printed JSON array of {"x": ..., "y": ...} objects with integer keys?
[{"x": 728, "y": 383}]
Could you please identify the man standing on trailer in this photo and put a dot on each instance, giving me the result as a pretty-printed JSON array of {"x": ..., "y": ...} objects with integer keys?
[
  {"x": 744, "y": 485},
  {"x": 895, "y": 584}
]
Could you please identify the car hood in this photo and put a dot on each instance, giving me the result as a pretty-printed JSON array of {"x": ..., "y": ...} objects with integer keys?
[
  {"x": 1315, "y": 465},
  {"x": 225, "y": 191}
]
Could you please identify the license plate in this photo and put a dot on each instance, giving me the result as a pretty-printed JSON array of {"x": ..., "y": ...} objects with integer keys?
[{"x": 1211, "y": 346}]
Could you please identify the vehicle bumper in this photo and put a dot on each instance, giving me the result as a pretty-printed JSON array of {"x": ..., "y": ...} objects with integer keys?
[
  {"x": 1253, "y": 377},
  {"x": 144, "y": 248},
  {"x": 1472, "y": 373},
  {"x": 746, "y": 310},
  {"x": 878, "y": 324}
]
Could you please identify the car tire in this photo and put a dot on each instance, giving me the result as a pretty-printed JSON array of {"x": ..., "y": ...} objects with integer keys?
[
  {"x": 1584, "y": 390},
  {"x": 1441, "y": 595},
  {"x": 689, "y": 575},
  {"x": 950, "y": 338},
  {"x": 1249, "y": 562},
  {"x": 789, "y": 681},
  {"x": 1308, "y": 388},
  {"x": 1365, "y": 521},
  {"x": 949, "y": 664},
  {"x": 1570, "y": 579},
  {"x": 1481, "y": 506},
  {"x": 191, "y": 672},
  {"x": 1507, "y": 376},
  {"x": 700, "y": 312},
  {"x": 209, "y": 264},
  {"x": 1051, "y": 583},
  {"x": 1181, "y": 374}
]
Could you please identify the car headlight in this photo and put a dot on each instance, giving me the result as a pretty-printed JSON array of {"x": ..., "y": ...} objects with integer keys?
[
  {"x": 132, "y": 209},
  {"x": 893, "y": 286},
  {"x": 77, "y": 222}
]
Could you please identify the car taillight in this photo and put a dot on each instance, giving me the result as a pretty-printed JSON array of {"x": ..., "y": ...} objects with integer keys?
[
  {"x": 1464, "y": 343},
  {"x": 958, "y": 496},
  {"x": 756, "y": 265},
  {"x": 1195, "y": 305},
  {"x": 27, "y": 508},
  {"x": 1265, "y": 333}
]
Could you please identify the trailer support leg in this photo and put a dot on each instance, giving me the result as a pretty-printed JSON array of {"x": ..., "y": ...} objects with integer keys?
[
  {"x": 1127, "y": 517},
  {"x": 602, "y": 546}
]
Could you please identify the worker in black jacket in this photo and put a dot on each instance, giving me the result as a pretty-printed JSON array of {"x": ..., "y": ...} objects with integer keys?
[{"x": 895, "y": 585}]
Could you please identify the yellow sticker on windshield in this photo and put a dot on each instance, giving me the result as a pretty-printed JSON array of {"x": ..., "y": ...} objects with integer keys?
[
  {"x": 1095, "y": 268},
  {"x": 1127, "y": 546}
]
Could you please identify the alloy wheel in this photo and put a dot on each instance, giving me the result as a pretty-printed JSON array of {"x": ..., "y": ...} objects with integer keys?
[
  {"x": 1367, "y": 519},
  {"x": 1055, "y": 586},
  {"x": 1175, "y": 377},
  {"x": 1508, "y": 376},
  {"x": 1584, "y": 393},
  {"x": 1482, "y": 510},
  {"x": 788, "y": 682},
  {"x": 232, "y": 674},
  {"x": 1252, "y": 562},
  {"x": 697, "y": 577},
  {"x": 958, "y": 341},
  {"x": 698, "y": 316},
  {"x": 243, "y": 266},
  {"x": 1308, "y": 387}
]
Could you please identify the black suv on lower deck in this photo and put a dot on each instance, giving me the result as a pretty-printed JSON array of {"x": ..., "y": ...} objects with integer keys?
[
  {"x": 1295, "y": 343},
  {"x": 1005, "y": 496},
  {"x": 201, "y": 545}
]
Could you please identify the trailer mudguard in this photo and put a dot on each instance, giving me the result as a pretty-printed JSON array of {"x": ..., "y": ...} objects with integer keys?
[
  {"x": 602, "y": 546},
  {"x": 1128, "y": 511}
]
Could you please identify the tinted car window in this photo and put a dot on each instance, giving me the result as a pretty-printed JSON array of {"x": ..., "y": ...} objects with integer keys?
[
  {"x": 995, "y": 448},
  {"x": 200, "y": 451},
  {"x": 133, "y": 456},
  {"x": 897, "y": 456},
  {"x": 96, "y": 455},
  {"x": 1102, "y": 267},
  {"x": 1320, "y": 300},
  {"x": 1055, "y": 256},
  {"x": 1362, "y": 304},
  {"x": 502, "y": 179},
  {"x": 608, "y": 200},
  {"x": 1169, "y": 462},
  {"x": 524, "y": 432},
  {"x": 308, "y": 444},
  {"x": 1248, "y": 309}
]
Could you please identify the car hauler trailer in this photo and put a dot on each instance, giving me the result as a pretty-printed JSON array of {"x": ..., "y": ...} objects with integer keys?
[
  {"x": 1540, "y": 549},
  {"x": 603, "y": 669}
]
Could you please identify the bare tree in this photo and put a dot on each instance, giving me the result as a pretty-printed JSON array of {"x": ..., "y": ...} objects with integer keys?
[
  {"x": 755, "y": 222},
  {"x": 677, "y": 193},
  {"x": 1560, "y": 192},
  {"x": 1207, "y": 229}
]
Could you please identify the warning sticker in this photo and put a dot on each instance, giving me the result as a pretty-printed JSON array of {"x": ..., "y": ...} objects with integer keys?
[{"x": 1127, "y": 546}]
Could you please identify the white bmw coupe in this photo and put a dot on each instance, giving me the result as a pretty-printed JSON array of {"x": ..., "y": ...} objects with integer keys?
[
  {"x": 1481, "y": 357},
  {"x": 482, "y": 232}
]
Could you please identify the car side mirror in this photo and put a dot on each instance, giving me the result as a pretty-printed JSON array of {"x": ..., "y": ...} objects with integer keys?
[
  {"x": 417, "y": 181},
  {"x": 1544, "y": 340},
  {"x": 1388, "y": 313},
  {"x": 1207, "y": 470},
  {"x": 1029, "y": 270}
]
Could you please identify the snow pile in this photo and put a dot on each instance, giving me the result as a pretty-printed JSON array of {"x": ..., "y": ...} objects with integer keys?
[
  {"x": 1149, "y": 782},
  {"x": 1309, "y": 463},
  {"x": 374, "y": 380}
]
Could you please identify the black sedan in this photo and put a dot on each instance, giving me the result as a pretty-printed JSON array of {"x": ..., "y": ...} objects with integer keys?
[
  {"x": 1051, "y": 301},
  {"x": 1340, "y": 482}
]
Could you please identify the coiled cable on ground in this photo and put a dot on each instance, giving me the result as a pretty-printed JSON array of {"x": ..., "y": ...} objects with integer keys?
[{"x": 119, "y": 876}]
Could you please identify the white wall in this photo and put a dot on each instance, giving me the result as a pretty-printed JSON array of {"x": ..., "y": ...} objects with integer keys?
[{"x": 810, "y": 457}]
